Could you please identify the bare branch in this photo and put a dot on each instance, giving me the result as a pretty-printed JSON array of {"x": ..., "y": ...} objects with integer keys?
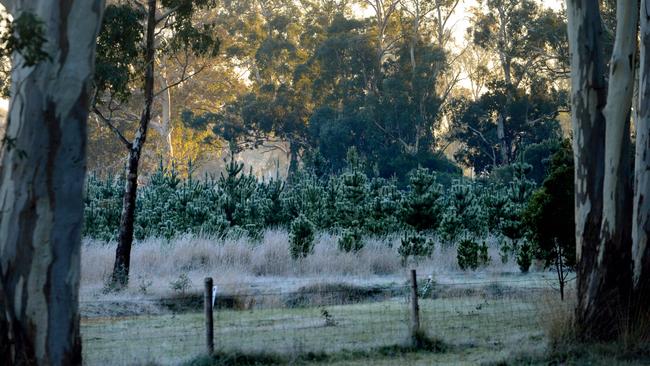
[
  {"x": 166, "y": 14},
  {"x": 110, "y": 125},
  {"x": 180, "y": 81}
]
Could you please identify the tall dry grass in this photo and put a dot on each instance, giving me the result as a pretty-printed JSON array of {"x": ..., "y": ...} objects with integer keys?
[{"x": 236, "y": 261}]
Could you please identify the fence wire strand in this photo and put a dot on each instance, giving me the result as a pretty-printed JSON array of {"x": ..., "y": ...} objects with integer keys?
[{"x": 319, "y": 319}]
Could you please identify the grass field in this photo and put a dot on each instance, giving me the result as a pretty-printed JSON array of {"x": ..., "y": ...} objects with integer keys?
[
  {"x": 478, "y": 328},
  {"x": 332, "y": 308}
]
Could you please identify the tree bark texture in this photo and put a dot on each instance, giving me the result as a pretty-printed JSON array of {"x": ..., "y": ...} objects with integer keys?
[
  {"x": 42, "y": 172},
  {"x": 120, "y": 277},
  {"x": 588, "y": 98},
  {"x": 641, "y": 218},
  {"x": 601, "y": 143}
]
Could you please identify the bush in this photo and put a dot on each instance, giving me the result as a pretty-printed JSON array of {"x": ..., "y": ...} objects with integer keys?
[
  {"x": 350, "y": 240},
  {"x": 467, "y": 254},
  {"x": 181, "y": 284},
  {"x": 301, "y": 237},
  {"x": 483, "y": 256},
  {"x": 415, "y": 245},
  {"x": 471, "y": 255},
  {"x": 524, "y": 257}
]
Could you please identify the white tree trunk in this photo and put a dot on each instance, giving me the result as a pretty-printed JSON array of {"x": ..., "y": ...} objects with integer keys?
[
  {"x": 165, "y": 127},
  {"x": 42, "y": 176},
  {"x": 588, "y": 97},
  {"x": 617, "y": 135},
  {"x": 641, "y": 219}
]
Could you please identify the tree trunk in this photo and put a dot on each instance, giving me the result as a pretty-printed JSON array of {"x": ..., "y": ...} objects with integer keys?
[
  {"x": 166, "y": 128},
  {"x": 121, "y": 267},
  {"x": 603, "y": 186},
  {"x": 42, "y": 175},
  {"x": 127, "y": 220},
  {"x": 641, "y": 216},
  {"x": 501, "y": 135},
  {"x": 293, "y": 161},
  {"x": 588, "y": 97}
]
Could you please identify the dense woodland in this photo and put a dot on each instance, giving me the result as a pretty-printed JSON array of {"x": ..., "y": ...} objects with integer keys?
[
  {"x": 433, "y": 119},
  {"x": 395, "y": 82},
  {"x": 403, "y": 83}
]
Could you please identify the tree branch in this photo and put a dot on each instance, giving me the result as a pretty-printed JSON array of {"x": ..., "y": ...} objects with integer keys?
[
  {"x": 166, "y": 14},
  {"x": 180, "y": 81},
  {"x": 108, "y": 123}
]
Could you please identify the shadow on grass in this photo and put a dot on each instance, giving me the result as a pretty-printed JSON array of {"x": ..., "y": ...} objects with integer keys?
[{"x": 422, "y": 344}]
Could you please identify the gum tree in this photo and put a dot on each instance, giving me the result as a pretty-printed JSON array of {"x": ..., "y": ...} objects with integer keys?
[
  {"x": 169, "y": 29},
  {"x": 42, "y": 171},
  {"x": 610, "y": 214}
]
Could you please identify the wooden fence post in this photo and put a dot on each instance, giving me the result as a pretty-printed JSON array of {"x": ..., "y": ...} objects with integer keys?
[
  {"x": 209, "y": 325},
  {"x": 415, "y": 308}
]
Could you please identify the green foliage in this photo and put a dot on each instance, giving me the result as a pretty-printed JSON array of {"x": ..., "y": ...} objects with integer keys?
[
  {"x": 118, "y": 49},
  {"x": 301, "y": 237},
  {"x": 549, "y": 215},
  {"x": 350, "y": 203},
  {"x": 416, "y": 246},
  {"x": 169, "y": 206},
  {"x": 483, "y": 256},
  {"x": 468, "y": 254},
  {"x": 25, "y": 36},
  {"x": 351, "y": 240},
  {"x": 422, "y": 206},
  {"x": 524, "y": 256},
  {"x": 102, "y": 207}
]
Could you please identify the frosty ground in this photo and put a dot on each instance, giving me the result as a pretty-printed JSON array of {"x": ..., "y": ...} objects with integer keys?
[{"x": 486, "y": 316}]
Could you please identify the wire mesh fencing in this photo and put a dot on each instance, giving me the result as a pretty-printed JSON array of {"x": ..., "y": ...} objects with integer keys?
[{"x": 322, "y": 318}]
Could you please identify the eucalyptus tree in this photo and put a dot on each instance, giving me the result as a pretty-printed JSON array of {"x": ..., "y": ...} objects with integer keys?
[
  {"x": 42, "y": 170},
  {"x": 611, "y": 211},
  {"x": 132, "y": 37},
  {"x": 523, "y": 35}
]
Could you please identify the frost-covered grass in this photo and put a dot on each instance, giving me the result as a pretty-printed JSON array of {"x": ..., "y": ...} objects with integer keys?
[
  {"x": 477, "y": 330},
  {"x": 237, "y": 262}
]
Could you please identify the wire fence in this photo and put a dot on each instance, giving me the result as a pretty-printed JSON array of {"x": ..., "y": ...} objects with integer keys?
[{"x": 326, "y": 318}]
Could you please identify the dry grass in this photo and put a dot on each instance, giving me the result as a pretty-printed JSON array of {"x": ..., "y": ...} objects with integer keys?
[
  {"x": 558, "y": 317},
  {"x": 232, "y": 262}
]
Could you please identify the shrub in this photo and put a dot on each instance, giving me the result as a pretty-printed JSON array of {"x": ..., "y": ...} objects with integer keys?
[
  {"x": 415, "y": 245},
  {"x": 181, "y": 284},
  {"x": 351, "y": 240},
  {"x": 467, "y": 254},
  {"x": 422, "y": 207},
  {"x": 524, "y": 257},
  {"x": 483, "y": 256},
  {"x": 301, "y": 237},
  {"x": 471, "y": 255}
]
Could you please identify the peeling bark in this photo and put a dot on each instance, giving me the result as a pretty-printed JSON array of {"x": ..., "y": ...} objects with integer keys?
[
  {"x": 588, "y": 98},
  {"x": 42, "y": 172},
  {"x": 601, "y": 143},
  {"x": 641, "y": 217}
]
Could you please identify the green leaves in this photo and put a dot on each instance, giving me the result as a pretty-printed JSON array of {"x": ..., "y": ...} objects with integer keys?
[
  {"x": 119, "y": 50},
  {"x": 301, "y": 237},
  {"x": 120, "y": 47},
  {"x": 25, "y": 36}
]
